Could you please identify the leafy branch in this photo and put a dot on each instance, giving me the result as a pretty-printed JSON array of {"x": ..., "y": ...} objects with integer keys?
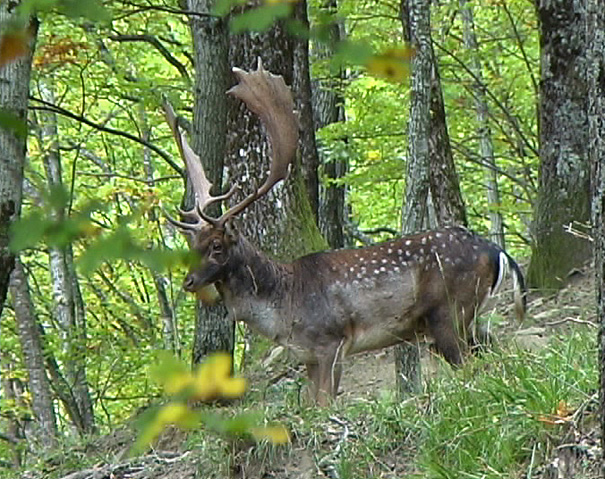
[
  {"x": 159, "y": 46},
  {"x": 50, "y": 107}
]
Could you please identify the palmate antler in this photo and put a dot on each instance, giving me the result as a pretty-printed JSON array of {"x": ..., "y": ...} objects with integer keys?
[{"x": 267, "y": 96}]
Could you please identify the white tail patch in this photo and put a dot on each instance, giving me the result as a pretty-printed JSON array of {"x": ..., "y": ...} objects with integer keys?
[{"x": 502, "y": 269}]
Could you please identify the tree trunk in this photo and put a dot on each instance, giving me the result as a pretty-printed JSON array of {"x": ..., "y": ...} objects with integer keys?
[
  {"x": 416, "y": 212},
  {"x": 69, "y": 309},
  {"x": 328, "y": 107},
  {"x": 443, "y": 179},
  {"x": 211, "y": 48},
  {"x": 281, "y": 223},
  {"x": 14, "y": 78},
  {"x": 563, "y": 193},
  {"x": 45, "y": 429},
  {"x": 13, "y": 423},
  {"x": 301, "y": 84},
  {"x": 486, "y": 146},
  {"x": 595, "y": 40}
]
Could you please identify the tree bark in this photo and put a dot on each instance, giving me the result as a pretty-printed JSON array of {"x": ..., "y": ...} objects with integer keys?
[
  {"x": 301, "y": 84},
  {"x": 281, "y": 223},
  {"x": 563, "y": 193},
  {"x": 45, "y": 430},
  {"x": 595, "y": 40},
  {"x": 444, "y": 183},
  {"x": 211, "y": 48},
  {"x": 14, "y": 78},
  {"x": 416, "y": 211},
  {"x": 328, "y": 107}
]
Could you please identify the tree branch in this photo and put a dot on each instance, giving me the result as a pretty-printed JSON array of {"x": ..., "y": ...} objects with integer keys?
[
  {"x": 159, "y": 47},
  {"x": 57, "y": 109},
  {"x": 493, "y": 97},
  {"x": 158, "y": 8}
]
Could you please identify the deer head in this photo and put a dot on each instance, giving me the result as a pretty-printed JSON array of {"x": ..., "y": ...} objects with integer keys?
[{"x": 271, "y": 100}]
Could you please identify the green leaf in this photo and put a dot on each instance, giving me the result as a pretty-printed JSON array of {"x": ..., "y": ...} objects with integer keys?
[
  {"x": 259, "y": 19},
  {"x": 29, "y": 231},
  {"x": 166, "y": 367},
  {"x": 92, "y": 10},
  {"x": 237, "y": 425},
  {"x": 357, "y": 52},
  {"x": 223, "y": 7},
  {"x": 10, "y": 121}
]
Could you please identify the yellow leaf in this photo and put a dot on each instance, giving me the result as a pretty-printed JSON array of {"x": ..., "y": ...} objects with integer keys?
[
  {"x": 177, "y": 382},
  {"x": 276, "y": 434},
  {"x": 219, "y": 365},
  {"x": 172, "y": 412},
  {"x": 233, "y": 387},
  {"x": 213, "y": 379},
  {"x": 392, "y": 64}
]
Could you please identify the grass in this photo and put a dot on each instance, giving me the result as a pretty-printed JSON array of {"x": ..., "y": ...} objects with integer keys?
[
  {"x": 494, "y": 418},
  {"x": 488, "y": 420}
]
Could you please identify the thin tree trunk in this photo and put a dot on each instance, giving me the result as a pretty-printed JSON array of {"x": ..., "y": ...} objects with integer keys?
[
  {"x": 211, "y": 48},
  {"x": 496, "y": 230},
  {"x": 301, "y": 84},
  {"x": 328, "y": 107},
  {"x": 67, "y": 297},
  {"x": 595, "y": 39},
  {"x": 416, "y": 213},
  {"x": 564, "y": 188},
  {"x": 13, "y": 427},
  {"x": 45, "y": 429},
  {"x": 14, "y": 78}
]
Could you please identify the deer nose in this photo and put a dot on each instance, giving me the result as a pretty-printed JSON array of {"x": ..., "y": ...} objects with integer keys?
[{"x": 189, "y": 283}]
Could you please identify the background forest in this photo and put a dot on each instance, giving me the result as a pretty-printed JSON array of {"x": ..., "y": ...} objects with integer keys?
[{"x": 414, "y": 114}]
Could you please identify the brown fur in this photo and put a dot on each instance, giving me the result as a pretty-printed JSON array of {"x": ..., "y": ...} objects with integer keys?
[{"x": 328, "y": 305}]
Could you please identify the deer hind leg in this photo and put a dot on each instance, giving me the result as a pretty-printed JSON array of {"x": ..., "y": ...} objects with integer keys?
[
  {"x": 444, "y": 332},
  {"x": 481, "y": 338}
]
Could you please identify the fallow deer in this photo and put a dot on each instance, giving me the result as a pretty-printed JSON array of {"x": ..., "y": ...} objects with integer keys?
[{"x": 328, "y": 305}]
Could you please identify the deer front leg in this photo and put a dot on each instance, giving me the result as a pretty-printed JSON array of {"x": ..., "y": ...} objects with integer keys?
[{"x": 325, "y": 373}]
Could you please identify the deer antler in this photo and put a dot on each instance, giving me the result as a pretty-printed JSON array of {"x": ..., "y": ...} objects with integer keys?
[
  {"x": 267, "y": 96},
  {"x": 200, "y": 184}
]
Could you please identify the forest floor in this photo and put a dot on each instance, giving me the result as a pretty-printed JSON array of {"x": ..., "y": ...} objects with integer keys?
[{"x": 359, "y": 426}]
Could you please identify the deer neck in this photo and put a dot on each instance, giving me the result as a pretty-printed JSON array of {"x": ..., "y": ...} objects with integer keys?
[{"x": 255, "y": 290}]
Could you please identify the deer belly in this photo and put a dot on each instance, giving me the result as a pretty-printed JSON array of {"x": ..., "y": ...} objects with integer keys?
[{"x": 384, "y": 317}]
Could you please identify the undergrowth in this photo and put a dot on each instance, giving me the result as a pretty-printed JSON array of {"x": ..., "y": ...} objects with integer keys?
[
  {"x": 496, "y": 417},
  {"x": 491, "y": 419}
]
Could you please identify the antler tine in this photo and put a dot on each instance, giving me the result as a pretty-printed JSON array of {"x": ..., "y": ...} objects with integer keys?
[
  {"x": 268, "y": 96},
  {"x": 200, "y": 184}
]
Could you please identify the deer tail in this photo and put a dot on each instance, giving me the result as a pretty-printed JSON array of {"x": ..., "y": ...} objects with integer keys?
[{"x": 504, "y": 264}]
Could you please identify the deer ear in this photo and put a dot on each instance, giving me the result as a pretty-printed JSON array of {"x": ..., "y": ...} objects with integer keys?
[
  {"x": 188, "y": 234},
  {"x": 231, "y": 232}
]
